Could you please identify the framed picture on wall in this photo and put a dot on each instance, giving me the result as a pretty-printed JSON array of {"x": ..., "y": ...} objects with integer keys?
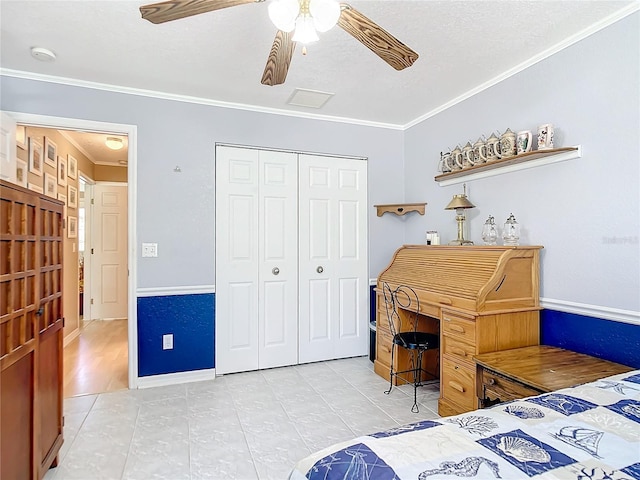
[
  {"x": 72, "y": 224},
  {"x": 21, "y": 172},
  {"x": 50, "y": 152},
  {"x": 35, "y": 157},
  {"x": 72, "y": 167},
  {"x": 62, "y": 171},
  {"x": 35, "y": 187},
  {"x": 63, "y": 198},
  {"x": 72, "y": 196},
  {"x": 21, "y": 136},
  {"x": 50, "y": 185}
]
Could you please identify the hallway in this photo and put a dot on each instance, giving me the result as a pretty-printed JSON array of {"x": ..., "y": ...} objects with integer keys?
[{"x": 97, "y": 360}]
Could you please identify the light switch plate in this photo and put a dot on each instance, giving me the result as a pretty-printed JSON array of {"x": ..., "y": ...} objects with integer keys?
[{"x": 149, "y": 249}]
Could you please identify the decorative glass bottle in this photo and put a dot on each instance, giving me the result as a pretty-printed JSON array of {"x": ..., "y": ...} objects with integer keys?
[
  {"x": 511, "y": 233},
  {"x": 489, "y": 232}
]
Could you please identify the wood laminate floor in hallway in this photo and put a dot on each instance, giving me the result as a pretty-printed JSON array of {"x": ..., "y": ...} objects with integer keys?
[{"x": 97, "y": 360}]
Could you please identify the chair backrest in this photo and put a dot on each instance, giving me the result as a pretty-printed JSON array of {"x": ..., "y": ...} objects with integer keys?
[{"x": 405, "y": 298}]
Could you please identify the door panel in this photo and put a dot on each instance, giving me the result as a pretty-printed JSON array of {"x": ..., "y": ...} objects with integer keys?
[
  {"x": 256, "y": 247},
  {"x": 333, "y": 253},
  {"x": 109, "y": 262},
  {"x": 278, "y": 259},
  {"x": 236, "y": 260}
]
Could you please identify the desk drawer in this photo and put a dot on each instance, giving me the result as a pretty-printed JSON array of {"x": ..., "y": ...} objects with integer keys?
[
  {"x": 495, "y": 388},
  {"x": 456, "y": 349},
  {"x": 458, "y": 326},
  {"x": 458, "y": 384},
  {"x": 383, "y": 346}
]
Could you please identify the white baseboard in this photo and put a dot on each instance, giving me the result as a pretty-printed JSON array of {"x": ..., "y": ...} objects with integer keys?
[
  {"x": 71, "y": 337},
  {"x": 176, "y": 378},
  {"x": 597, "y": 311}
]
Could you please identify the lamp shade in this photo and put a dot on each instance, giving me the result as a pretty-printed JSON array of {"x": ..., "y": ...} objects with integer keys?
[
  {"x": 459, "y": 201},
  {"x": 305, "y": 30},
  {"x": 325, "y": 14},
  {"x": 283, "y": 14}
]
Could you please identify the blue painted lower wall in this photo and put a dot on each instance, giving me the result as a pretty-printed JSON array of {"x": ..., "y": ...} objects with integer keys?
[
  {"x": 615, "y": 341},
  {"x": 190, "y": 318}
]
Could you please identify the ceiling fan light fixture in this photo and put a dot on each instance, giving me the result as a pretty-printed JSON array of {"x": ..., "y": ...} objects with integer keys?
[
  {"x": 325, "y": 14},
  {"x": 305, "y": 30},
  {"x": 283, "y": 14},
  {"x": 114, "y": 143}
]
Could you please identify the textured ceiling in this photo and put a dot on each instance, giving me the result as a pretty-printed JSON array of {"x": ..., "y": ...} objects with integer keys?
[{"x": 219, "y": 56}]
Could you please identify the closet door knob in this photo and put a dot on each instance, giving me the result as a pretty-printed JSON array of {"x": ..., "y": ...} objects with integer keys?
[
  {"x": 275, "y": 270},
  {"x": 320, "y": 269}
]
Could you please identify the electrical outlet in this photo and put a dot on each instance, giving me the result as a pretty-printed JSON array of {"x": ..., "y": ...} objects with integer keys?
[
  {"x": 167, "y": 341},
  {"x": 149, "y": 249}
]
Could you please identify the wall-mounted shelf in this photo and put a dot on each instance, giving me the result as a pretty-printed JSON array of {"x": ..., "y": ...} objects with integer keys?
[
  {"x": 532, "y": 159},
  {"x": 401, "y": 208}
]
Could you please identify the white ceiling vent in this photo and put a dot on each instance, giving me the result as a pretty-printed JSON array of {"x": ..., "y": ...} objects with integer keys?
[{"x": 309, "y": 98}]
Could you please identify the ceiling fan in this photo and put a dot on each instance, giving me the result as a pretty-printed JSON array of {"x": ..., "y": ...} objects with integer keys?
[{"x": 297, "y": 21}]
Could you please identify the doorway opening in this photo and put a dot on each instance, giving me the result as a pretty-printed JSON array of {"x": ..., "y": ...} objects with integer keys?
[{"x": 129, "y": 350}]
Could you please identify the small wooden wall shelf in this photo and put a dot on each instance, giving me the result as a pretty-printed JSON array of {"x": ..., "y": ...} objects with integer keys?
[
  {"x": 532, "y": 159},
  {"x": 401, "y": 208}
]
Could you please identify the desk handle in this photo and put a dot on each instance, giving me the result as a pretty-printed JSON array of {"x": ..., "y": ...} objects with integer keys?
[
  {"x": 458, "y": 351},
  {"x": 456, "y": 328},
  {"x": 457, "y": 386},
  {"x": 445, "y": 301}
]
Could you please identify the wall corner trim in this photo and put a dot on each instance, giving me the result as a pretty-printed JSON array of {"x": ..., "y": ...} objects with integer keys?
[
  {"x": 597, "y": 311},
  {"x": 176, "y": 378}
]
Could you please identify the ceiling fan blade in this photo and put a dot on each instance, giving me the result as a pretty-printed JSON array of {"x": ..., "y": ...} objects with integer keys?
[
  {"x": 275, "y": 72},
  {"x": 175, "y": 9},
  {"x": 377, "y": 39}
]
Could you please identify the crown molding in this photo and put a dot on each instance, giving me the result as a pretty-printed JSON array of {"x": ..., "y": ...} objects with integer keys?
[{"x": 188, "y": 99}]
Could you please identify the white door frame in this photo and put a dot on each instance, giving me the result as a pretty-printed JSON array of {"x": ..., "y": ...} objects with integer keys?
[
  {"x": 88, "y": 228},
  {"x": 131, "y": 131}
]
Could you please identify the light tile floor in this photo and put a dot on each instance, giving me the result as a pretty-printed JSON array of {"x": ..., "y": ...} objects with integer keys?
[{"x": 244, "y": 426}]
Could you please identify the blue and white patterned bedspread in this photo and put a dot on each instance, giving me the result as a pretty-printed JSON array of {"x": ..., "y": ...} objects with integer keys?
[{"x": 588, "y": 432}]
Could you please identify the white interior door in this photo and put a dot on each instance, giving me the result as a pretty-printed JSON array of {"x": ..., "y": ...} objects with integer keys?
[
  {"x": 236, "y": 260},
  {"x": 109, "y": 263},
  {"x": 278, "y": 259},
  {"x": 333, "y": 292},
  {"x": 256, "y": 259}
]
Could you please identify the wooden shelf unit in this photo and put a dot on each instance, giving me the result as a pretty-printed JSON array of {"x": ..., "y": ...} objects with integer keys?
[
  {"x": 401, "y": 208},
  {"x": 31, "y": 236},
  {"x": 514, "y": 163}
]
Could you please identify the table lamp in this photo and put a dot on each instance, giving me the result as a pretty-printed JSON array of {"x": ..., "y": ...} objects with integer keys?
[{"x": 459, "y": 203}]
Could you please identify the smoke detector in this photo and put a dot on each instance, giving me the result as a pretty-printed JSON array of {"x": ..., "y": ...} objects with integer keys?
[{"x": 43, "y": 54}]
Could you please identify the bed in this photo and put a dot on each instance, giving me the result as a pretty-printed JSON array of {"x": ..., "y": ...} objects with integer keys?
[{"x": 587, "y": 432}]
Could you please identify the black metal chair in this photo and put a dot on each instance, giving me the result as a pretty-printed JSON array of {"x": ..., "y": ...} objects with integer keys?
[{"x": 415, "y": 342}]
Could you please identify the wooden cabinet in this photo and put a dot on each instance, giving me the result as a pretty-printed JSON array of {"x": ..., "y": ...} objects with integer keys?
[
  {"x": 31, "y": 235},
  {"x": 480, "y": 298}
]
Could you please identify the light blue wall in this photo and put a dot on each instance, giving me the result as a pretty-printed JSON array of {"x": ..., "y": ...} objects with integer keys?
[
  {"x": 585, "y": 212},
  {"x": 177, "y": 210}
]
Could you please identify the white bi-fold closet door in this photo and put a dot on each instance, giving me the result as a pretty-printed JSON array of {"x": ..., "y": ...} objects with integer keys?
[{"x": 291, "y": 258}]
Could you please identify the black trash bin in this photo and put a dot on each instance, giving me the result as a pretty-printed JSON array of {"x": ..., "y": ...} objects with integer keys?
[{"x": 372, "y": 340}]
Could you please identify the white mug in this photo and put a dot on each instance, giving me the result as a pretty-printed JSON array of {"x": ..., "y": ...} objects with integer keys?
[
  {"x": 523, "y": 141},
  {"x": 545, "y": 136}
]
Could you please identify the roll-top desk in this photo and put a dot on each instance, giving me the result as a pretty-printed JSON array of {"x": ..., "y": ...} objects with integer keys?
[{"x": 480, "y": 298}]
